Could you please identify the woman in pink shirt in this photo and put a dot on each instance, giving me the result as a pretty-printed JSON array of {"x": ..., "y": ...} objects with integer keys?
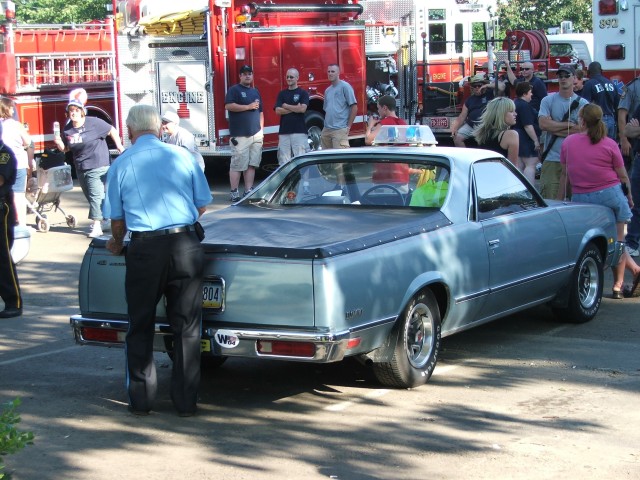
[{"x": 593, "y": 165}]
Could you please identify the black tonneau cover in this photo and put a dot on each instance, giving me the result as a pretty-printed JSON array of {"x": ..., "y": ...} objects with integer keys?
[{"x": 313, "y": 231}]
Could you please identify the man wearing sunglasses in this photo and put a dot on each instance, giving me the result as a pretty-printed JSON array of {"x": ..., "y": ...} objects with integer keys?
[
  {"x": 559, "y": 118},
  {"x": 291, "y": 104},
  {"x": 527, "y": 75}
]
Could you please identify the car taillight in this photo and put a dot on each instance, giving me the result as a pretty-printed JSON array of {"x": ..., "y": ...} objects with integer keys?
[
  {"x": 608, "y": 7},
  {"x": 353, "y": 342},
  {"x": 614, "y": 52},
  {"x": 286, "y": 349},
  {"x": 102, "y": 335}
]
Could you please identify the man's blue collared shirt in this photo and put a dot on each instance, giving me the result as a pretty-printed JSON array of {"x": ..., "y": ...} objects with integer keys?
[{"x": 154, "y": 185}]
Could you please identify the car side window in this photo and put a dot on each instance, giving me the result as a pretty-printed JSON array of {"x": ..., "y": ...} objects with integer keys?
[{"x": 499, "y": 191}]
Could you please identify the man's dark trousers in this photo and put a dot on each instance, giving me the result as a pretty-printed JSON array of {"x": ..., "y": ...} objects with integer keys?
[{"x": 171, "y": 265}]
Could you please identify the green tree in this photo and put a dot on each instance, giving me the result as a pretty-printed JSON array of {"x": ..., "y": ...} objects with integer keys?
[
  {"x": 60, "y": 11},
  {"x": 543, "y": 14}
]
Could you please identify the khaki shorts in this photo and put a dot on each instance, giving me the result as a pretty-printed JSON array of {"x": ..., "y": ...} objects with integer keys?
[
  {"x": 248, "y": 152},
  {"x": 550, "y": 180},
  {"x": 334, "y": 138},
  {"x": 292, "y": 145}
]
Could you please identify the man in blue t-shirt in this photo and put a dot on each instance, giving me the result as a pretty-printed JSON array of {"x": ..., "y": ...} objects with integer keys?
[
  {"x": 246, "y": 122},
  {"x": 291, "y": 105}
]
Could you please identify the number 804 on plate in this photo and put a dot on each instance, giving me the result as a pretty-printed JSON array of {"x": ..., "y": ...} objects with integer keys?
[{"x": 213, "y": 294}]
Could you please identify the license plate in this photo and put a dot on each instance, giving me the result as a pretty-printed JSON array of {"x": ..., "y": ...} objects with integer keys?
[
  {"x": 439, "y": 122},
  {"x": 212, "y": 294}
]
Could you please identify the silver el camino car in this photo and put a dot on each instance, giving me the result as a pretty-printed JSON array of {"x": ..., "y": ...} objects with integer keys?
[{"x": 375, "y": 253}]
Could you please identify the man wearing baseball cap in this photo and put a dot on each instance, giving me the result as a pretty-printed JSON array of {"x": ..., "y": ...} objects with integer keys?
[
  {"x": 174, "y": 134},
  {"x": 246, "y": 121},
  {"x": 558, "y": 117},
  {"x": 481, "y": 93}
]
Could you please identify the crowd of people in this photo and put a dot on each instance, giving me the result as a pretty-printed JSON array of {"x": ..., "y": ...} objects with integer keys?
[{"x": 572, "y": 132}]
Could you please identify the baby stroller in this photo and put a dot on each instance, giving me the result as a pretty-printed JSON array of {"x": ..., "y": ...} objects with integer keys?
[{"x": 43, "y": 195}]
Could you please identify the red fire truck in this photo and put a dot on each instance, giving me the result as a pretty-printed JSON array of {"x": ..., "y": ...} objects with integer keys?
[
  {"x": 41, "y": 64},
  {"x": 185, "y": 61},
  {"x": 436, "y": 45},
  {"x": 616, "y": 38}
]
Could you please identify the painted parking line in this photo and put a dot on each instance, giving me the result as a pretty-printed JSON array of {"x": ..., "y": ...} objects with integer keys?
[
  {"x": 35, "y": 355},
  {"x": 338, "y": 407}
]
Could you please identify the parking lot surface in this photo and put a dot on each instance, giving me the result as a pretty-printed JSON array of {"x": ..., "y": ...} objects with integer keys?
[{"x": 521, "y": 398}]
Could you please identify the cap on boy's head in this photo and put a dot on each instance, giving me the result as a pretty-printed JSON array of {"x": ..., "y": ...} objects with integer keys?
[
  {"x": 77, "y": 104},
  {"x": 78, "y": 98},
  {"x": 567, "y": 68},
  {"x": 246, "y": 69},
  {"x": 170, "y": 117}
]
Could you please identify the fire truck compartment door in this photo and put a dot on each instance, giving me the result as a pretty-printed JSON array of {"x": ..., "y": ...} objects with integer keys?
[{"x": 182, "y": 90}]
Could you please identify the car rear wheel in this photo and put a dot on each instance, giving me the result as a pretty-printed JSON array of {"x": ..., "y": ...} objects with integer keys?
[
  {"x": 417, "y": 344},
  {"x": 585, "y": 288}
]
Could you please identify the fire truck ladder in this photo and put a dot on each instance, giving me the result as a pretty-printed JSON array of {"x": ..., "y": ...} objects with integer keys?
[{"x": 38, "y": 70}]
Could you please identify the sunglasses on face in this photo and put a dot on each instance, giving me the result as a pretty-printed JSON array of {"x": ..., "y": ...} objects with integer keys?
[
  {"x": 290, "y": 76},
  {"x": 563, "y": 75},
  {"x": 526, "y": 68}
]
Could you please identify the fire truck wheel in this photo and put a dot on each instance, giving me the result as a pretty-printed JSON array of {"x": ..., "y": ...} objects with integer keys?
[{"x": 315, "y": 123}]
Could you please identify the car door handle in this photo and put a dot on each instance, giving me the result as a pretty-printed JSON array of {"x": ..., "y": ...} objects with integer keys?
[{"x": 494, "y": 243}]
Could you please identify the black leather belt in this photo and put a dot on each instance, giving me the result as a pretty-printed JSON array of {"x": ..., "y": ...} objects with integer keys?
[{"x": 166, "y": 231}]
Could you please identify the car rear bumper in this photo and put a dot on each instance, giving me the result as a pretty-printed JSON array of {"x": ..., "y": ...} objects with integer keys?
[{"x": 301, "y": 346}]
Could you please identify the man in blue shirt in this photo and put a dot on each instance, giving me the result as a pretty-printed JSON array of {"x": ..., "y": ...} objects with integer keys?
[
  {"x": 157, "y": 192},
  {"x": 246, "y": 122},
  {"x": 291, "y": 105}
]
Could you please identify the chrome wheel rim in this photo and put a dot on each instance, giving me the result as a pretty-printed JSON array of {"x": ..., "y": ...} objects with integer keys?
[
  {"x": 418, "y": 335},
  {"x": 588, "y": 282}
]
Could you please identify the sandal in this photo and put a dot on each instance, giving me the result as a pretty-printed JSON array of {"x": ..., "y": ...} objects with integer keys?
[{"x": 633, "y": 290}]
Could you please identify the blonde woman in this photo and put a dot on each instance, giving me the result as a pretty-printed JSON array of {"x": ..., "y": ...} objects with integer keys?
[
  {"x": 493, "y": 132},
  {"x": 593, "y": 165}
]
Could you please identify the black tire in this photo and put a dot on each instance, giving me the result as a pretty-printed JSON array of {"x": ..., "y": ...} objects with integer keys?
[
  {"x": 585, "y": 288},
  {"x": 315, "y": 123},
  {"x": 417, "y": 344}
]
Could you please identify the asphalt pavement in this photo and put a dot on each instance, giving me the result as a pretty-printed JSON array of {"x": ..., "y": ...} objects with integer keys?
[{"x": 521, "y": 398}]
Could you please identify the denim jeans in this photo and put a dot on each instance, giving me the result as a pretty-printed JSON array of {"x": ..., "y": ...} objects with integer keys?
[
  {"x": 633, "y": 229},
  {"x": 610, "y": 122},
  {"x": 92, "y": 184}
]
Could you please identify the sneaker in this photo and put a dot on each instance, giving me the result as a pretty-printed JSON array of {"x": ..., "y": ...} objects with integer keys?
[
  {"x": 247, "y": 192},
  {"x": 106, "y": 225},
  {"x": 634, "y": 252},
  {"x": 96, "y": 231},
  {"x": 234, "y": 196}
]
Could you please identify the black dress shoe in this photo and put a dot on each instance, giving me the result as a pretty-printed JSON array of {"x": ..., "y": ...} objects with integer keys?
[
  {"x": 138, "y": 413},
  {"x": 187, "y": 414},
  {"x": 11, "y": 312}
]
